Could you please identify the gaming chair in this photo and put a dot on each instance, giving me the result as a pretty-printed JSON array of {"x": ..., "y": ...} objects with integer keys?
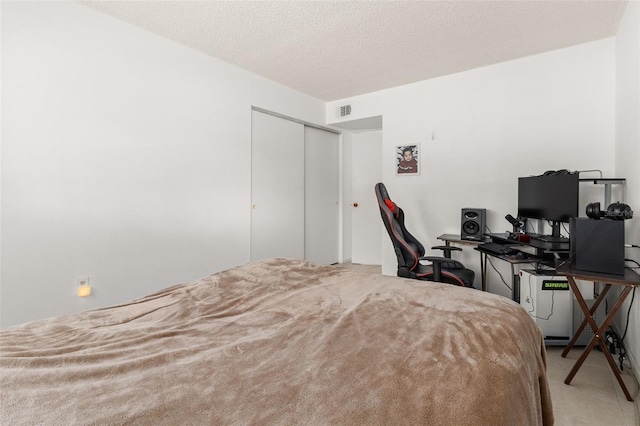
[{"x": 409, "y": 251}]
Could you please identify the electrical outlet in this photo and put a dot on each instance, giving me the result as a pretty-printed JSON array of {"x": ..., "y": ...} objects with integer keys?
[{"x": 83, "y": 287}]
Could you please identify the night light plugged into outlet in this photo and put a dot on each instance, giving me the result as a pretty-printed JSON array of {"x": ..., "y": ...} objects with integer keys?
[{"x": 84, "y": 289}]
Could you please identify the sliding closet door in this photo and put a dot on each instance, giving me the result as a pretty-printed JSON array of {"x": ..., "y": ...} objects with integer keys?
[
  {"x": 277, "y": 187},
  {"x": 321, "y": 196}
]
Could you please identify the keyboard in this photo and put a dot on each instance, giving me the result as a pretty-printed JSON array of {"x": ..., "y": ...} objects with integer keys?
[{"x": 496, "y": 248}]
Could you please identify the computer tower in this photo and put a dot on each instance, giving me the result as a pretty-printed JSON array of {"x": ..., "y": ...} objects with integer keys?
[
  {"x": 597, "y": 245},
  {"x": 548, "y": 300}
]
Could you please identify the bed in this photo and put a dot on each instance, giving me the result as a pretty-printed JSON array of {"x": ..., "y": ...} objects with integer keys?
[{"x": 282, "y": 342}]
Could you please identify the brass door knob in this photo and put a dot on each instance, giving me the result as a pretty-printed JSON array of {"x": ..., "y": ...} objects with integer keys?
[{"x": 355, "y": 204}]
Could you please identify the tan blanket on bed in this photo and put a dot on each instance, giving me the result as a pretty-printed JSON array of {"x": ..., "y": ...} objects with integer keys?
[{"x": 282, "y": 342}]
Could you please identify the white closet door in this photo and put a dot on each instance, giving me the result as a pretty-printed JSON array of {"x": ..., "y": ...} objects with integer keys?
[
  {"x": 321, "y": 196},
  {"x": 277, "y": 187}
]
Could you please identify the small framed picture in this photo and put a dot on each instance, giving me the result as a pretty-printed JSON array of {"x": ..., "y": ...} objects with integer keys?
[{"x": 407, "y": 160}]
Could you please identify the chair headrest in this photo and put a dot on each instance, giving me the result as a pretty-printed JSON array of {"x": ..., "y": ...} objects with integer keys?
[
  {"x": 383, "y": 197},
  {"x": 392, "y": 206}
]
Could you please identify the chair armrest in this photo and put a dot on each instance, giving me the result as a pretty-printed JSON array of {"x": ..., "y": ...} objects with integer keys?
[
  {"x": 447, "y": 250},
  {"x": 450, "y": 248},
  {"x": 435, "y": 259},
  {"x": 436, "y": 264},
  {"x": 447, "y": 263}
]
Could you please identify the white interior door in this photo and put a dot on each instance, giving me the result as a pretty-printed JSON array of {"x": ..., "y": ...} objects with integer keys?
[
  {"x": 321, "y": 196},
  {"x": 366, "y": 222},
  {"x": 277, "y": 187}
]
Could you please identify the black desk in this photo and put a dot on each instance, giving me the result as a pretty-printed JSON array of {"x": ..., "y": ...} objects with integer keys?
[
  {"x": 628, "y": 281},
  {"x": 542, "y": 248}
]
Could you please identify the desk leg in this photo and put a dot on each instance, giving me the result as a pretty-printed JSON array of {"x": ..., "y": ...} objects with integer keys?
[
  {"x": 483, "y": 270},
  {"x": 598, "y": 332},
  {"x": 515, "y": 284},
  {"x": 601, "y": 331},
  {"x": 594, "y": 307}
]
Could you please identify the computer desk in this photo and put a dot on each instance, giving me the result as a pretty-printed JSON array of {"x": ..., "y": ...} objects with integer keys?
[
  {"x": 629, "y": 281},
  {"x": 541, "y": 248}
]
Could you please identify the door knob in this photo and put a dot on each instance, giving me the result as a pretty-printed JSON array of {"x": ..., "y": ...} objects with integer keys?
[{"x": 355, "y": 204}]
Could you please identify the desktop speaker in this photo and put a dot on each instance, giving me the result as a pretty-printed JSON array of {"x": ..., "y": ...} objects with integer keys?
[
  {"x": 473, "y": 224},
  {"x": 597, "y": 245}
]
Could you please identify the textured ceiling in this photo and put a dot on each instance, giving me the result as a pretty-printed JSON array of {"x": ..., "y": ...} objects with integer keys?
[{"x": 337, "y": 49}]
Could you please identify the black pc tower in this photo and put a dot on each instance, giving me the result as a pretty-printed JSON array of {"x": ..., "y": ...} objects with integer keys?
[{"x": 597, "y": 245}]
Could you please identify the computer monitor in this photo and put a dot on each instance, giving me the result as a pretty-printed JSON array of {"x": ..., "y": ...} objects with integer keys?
[{"x": 549, "y": 197}]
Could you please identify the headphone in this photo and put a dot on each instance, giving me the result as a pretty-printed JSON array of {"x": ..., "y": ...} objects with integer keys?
[
  {"x": 560, "y": 172},
  {"x": 616, "y": 211}
]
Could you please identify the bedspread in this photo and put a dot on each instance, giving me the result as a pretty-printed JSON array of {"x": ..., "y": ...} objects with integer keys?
[{"x": 282, "y": 341}]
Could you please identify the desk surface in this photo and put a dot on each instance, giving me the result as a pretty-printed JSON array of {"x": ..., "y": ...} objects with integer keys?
[
  {"x": 453, "y": 238},
  {"x": 630, "y": 277}
]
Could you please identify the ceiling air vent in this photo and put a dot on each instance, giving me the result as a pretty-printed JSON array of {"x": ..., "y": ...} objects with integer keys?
[{"x": 344, "y": 111}]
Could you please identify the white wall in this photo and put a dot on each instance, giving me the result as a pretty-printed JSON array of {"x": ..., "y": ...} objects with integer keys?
[
  {"x": 627, "y": 153},
  {"x": 490, "y": 126},
  {"x": 125, "y": 158}
]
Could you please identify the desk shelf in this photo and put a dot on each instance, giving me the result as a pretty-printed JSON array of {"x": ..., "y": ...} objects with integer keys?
[{"x": 608, "y": 183}]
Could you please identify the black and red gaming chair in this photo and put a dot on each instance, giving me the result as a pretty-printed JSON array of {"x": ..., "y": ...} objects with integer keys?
[{"x": 409, "y": 251}]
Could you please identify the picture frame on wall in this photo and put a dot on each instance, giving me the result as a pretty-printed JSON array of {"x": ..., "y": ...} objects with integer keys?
[{"x": 407, "y": 160}]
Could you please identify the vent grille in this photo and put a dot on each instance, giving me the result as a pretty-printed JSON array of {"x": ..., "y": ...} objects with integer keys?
[{"x": 344, "y": 110}]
